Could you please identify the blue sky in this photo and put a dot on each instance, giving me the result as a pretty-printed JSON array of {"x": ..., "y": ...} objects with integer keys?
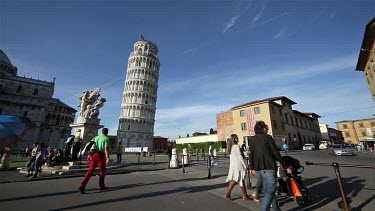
[{"x": 213, "y": 54}]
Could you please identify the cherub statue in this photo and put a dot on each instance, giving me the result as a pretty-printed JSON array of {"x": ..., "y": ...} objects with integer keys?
[
  {"x": 84, "y": 102},
  {"x": 94, "y": 94},
  {"x": 97, "y": 105}
]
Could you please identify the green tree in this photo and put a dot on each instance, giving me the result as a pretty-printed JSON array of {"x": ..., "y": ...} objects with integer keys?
[{"x": 199, "y": 134}]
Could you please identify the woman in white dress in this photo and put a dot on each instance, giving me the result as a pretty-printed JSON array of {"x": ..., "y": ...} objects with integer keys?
[{"x": 237, "y": 168}]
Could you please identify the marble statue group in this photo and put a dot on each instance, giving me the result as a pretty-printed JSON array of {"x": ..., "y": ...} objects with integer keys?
[{"x": 90, "y": 104}]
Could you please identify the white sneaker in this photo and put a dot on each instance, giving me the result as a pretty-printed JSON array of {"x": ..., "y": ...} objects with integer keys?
[{"x": 255, "y": 196}]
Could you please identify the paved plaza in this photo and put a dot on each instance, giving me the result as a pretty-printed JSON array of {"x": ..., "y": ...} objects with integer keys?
[{"x": 153, "y": 187}]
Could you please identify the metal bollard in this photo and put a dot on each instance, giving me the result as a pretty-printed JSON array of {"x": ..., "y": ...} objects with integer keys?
[
  {"x": 346, "y": 206},
  {"x": 197, "y": 155},
  {"x": 153, "y": 163},
  {"x": 169, "y": 162},
  {"x": 209, "y": 167},
  {"x": 183, "y": 163},
  {"x": 139, "y": 157}
]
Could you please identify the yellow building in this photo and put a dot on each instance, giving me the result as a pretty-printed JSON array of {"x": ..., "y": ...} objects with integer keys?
[
  {"x": 366, "y": 58},
  {"x": 355, "y": 131},
  {"x": 284, "y": 123}
]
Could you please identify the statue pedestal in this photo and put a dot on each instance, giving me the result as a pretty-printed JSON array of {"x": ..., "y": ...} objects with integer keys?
[{"x": 86, "y": 131}]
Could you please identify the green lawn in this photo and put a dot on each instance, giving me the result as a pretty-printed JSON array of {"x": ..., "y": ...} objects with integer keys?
[{"x": 18, "y": 162}]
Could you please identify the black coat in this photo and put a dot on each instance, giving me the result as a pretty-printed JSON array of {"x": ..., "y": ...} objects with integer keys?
[{"x": 264, "y": 153}]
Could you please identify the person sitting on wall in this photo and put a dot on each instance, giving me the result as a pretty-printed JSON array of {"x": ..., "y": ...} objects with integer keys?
[{"x": 57, "y": 159}]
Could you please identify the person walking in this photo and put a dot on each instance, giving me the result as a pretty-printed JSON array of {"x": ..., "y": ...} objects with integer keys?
[
  {"x": 30, "y": 164},
  {"x": 211, "y": 154},
  {"x": 285, "y": 148},
  {"x": 41, "y": 152},
  {"x": 119, "y": 152},
  {"x": 263, "y": 157},
  {"x": 99, "y": 157},
  {"x": 76, "y": 148},
  {"x": 68, "y": 145},
  {"x": 237, "y": 168}
]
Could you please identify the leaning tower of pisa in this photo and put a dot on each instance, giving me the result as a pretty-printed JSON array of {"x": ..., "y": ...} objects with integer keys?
[{"x": 137, "y": 117}]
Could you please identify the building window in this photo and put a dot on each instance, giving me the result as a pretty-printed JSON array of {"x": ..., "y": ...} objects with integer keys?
[
  {"x": 282, "y": 126},
  {"x": 345, "y": 126},
  {"x": 273, "y": 109},
  {"x": 372, "y": 123},
  {"x": 128, "y": 127},
  {"x": 347, "y": 134},
  {"x": 57, "y": 120},
  {"x": 19, "y": 89},
  {"x": 35, "y": 91},
  {"x": 256, "y": 110},
  {"x": 286, "y": 118},
  {"x": 360, "y": 124},
  {"x": 281, "y": 112},
  {"x": 291, "y": 118},
  {"x": 243, "y": 126},
  {"x": 296, "y": 121},
  {"x": 242, "y": 112},
  {"x": 304, "y": 139},
  {"x": 364, "y": 133},
  {"x": 274, "y": 124}
]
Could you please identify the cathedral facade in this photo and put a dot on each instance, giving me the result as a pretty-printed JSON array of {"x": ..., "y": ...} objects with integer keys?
[
  {"x": 33, "y": 99},
  {"x": 137, "y": 116}
]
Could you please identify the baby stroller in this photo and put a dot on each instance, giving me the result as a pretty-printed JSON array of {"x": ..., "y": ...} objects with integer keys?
[{"x": 291, "y": 184}]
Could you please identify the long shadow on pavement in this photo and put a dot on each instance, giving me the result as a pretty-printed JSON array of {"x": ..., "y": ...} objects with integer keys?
[
  {"x": 148, "y": 195},
  {"x": 110, "y": 189},
  {"x": 329, "y": 191}
]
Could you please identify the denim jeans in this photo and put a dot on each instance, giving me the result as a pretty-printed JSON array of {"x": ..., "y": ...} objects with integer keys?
[
  {"x": 269, "y": 185},
  {"x": 259, "y": 186}
]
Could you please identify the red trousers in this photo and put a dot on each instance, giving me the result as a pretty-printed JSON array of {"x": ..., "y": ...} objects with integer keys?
[{"x": 96, "y": 159}]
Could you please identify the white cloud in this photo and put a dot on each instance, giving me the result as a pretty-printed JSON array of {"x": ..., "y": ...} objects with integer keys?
[
  {"x": 187, "y": 119},
  {"x": 322, "y": 98},
  {"x": 259, "y": 75},
  {"x": 280, "y": 34},
  {"x": 230, "y": 23},
  {"x": 258, "y": 16}
]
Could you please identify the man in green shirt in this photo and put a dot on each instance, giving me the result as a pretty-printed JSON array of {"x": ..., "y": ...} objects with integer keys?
[{"x": 99, "y": 157}]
